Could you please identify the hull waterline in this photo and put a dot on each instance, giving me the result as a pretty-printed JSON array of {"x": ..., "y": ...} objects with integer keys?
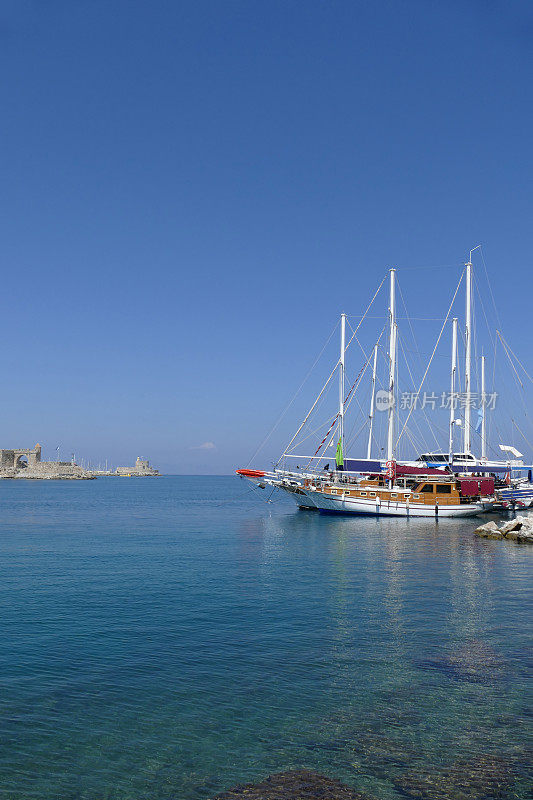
[{"x": 336, "y": 505}]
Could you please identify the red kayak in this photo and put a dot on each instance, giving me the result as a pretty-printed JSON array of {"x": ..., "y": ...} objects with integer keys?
[{"x": 250, "y": 473}]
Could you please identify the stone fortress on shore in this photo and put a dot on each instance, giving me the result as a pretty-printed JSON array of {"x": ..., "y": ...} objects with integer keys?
[
  {"x": 22, "y": 463},
  {"x": 142, "y": 468},
  {"x": 27, "y": 463}
]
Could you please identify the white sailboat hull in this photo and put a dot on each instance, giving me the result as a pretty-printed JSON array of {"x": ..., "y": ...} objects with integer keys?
[
  {"x": 338, "y": 505},
  {"x": 302, "y": 498}
]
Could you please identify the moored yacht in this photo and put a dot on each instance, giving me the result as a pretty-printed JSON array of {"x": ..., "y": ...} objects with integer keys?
[
  {"x": 423, "y": 493},
  {"x": 444, "y": 484}
]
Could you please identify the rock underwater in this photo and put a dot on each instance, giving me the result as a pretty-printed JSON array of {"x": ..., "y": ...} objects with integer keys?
[
  {"x": 299, "y": 784},
  {"x": 473, "y": 661},
  {"x": 485, "y": 777}
]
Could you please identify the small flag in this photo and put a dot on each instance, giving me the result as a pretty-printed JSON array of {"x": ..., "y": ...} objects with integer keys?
[{"x": 338, "y": 457}]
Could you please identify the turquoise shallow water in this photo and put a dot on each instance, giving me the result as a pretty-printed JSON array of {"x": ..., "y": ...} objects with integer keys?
[{"x": 168, "y": 638}]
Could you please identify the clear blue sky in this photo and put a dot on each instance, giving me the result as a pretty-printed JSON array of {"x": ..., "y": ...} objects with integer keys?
[{"x": 192, "y": 192}]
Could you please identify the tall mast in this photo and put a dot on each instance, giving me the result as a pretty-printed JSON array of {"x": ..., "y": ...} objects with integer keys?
[
  {"x": 483, "y": 410},
  {"x": 468, "y": 355},
  {"x": 341, "y": 381},
  {"x": 371, "y": 414},
  {"x": 452, "y": 387},
  {"x": 392, "y": 364}
]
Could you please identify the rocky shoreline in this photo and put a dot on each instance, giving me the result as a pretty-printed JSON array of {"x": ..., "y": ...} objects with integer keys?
[{"x": 517, "y": 530}]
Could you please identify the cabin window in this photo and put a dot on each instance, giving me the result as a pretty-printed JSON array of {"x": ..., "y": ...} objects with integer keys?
[
  {"x": 416, "y": 497},
  {"x": 394, "y": 494},
  {"x": 362, "y": 494},
  {"x": 446, "y": 488},
  {"x": 428, "y": 488},
  {"x": 371, "y": 494}
]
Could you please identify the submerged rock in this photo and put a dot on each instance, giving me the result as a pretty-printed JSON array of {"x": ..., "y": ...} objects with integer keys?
[
  {"x": 473, "y": 661},
  {"x": 475, "y": 655},
  {"x": 299, "y": 784},
  {"x": 485, "y": 777},
  {"x": 382, "y": 752}
]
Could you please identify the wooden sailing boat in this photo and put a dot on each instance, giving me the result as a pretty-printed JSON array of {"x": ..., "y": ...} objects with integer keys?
[{"x": 446, "y": 485}]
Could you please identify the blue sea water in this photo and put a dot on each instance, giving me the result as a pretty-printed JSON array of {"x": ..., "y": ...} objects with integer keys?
[{"x": 172, "y": 637}]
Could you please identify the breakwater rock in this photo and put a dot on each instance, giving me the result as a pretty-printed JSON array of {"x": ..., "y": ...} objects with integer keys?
[
  {"x": 519, "y": 530},
  {"x": 299, "y": 784}
]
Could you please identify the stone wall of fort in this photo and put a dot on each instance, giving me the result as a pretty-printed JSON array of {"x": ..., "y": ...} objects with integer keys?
[
  {"x": 27, "y": 463},
  {"x": 142, "y": 468}
]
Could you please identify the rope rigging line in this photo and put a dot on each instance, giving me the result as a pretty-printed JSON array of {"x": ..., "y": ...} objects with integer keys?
[
  {"x": 424, "y": 446},
  {"x": 521, "y": 387},
  {"x": 335, "y": 419},
  {"x": 497, "y": 316},
  {"x": 323, "y": 440},
  {"x": 354, "y": 437},
  {"x": 346, "y": 404},
  {"x": 361, "y": 346},
  {"x": 332, "y": 372},
  {"x": 366, "y": 312},
  {"x": 439, "y": 266},
  {"x": 398, "y": 318},
  {"x": 312, "y": 433},
  {"x": 351, "y": 438},
  {"x": 482, "y": 304},
  {"x": 431, "y": 428},
  {"x": 494, "y": 343},
  {"x": 362, "y": 371},
  {"x": 497, "y": 313},
  {"x": 433, "y": 353},
  {"x": 317, "y": 359},
  {"x": 409, "y": 321},
  {"x": 509, "y": 353},
  {"x": 522, "y": 434}
]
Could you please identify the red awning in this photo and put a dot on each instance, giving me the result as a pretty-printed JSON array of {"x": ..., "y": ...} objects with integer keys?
[{"x": 471, "y": 487}]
